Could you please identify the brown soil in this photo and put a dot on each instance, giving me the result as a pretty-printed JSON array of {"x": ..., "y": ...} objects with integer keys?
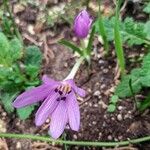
[{"x": 99, "y": 80}]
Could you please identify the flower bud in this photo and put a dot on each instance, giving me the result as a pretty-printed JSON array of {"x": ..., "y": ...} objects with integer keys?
[{"x": 82, "y": 24}]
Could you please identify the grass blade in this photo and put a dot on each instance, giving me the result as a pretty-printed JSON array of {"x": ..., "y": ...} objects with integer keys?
[
  {"x": 118, "y": 41},
  {"x": 71, "y": 46}
]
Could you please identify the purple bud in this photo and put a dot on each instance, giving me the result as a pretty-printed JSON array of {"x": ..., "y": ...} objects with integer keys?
[{"x": 82, "y": 24}]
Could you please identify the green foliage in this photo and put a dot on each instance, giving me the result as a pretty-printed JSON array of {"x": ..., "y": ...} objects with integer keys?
[
  {"x": 111, "y": 108},
  {"x": 16, "y": 49},
  {"x": 72, "y": 46},
  {"x": 10, "y": 51},
  {"x": 132, "y": 32},
  {"x": 145, "y": 104},
  {"x": 112, "y": 103},
  {"x": 118, "y": 40},
  {"x": 17, "y": 76},
  {"x": 147, "y": 8},
  {"x": 147, "y": 29},
  {"x": 25, "y": 112},
  {"x": 33, "y": 56},
  {"x": 7, "y": 99},
  {"x": 140, "y": 79}
]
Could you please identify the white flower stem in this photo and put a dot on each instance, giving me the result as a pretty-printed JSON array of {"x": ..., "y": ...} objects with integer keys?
[{"x": 75, "y": 68}]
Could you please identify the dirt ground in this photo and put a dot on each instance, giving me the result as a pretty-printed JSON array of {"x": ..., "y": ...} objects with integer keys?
[{"x": 99, "y": 80}]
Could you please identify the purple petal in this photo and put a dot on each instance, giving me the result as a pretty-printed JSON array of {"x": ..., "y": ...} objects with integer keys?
[
  {"x": 73, "y": 112},
  {"x": 32, "y": 96},
  {"x": 76, "y": 89},
  {"x": 47, "y": 107},
  {"x": 59, "y": 120},
  {"x": 49, "y": 81},
  {"x": 82, "y": 24}
]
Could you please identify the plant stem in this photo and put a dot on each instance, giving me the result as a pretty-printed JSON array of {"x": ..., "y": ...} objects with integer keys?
[
  {"x": 81, "y": 143},
  {"x": 118, "y": 41},
  {"x": 7, "y": 8},
  {"x": 102, "y": 29},
  {"x": 74, "y": 69},
  {"x": 133, "y": 94}
]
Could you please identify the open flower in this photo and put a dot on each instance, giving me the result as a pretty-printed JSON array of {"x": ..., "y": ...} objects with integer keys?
[
  {"x": 82, "y": 24},
  {"x": 59, "y": 103}
]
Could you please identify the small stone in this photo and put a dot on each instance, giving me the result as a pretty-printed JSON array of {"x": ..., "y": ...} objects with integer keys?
[
  {"x": 103, "y": 86},
  {"x": 95, "y": 105},
  {"x": 18, "y": 145},
  {"x": 97, "y": 93},
  {"x": 4, "y": 114},
  {"x": 120, "y": 137},
  {"x": 101, "y": 62},
  {"x": 119, "y": 117},
  {"x": 120, "y": 107},
  {"x": 65, "y": 64},
  {"x": 109, "y": 137},
  {"x": 94, "y": 122},
  {"x": 113, "y": 118},
  {"x": 75, "y": 136},
  {"x": 31, "y": 29},
  {"x": 2, "y": 126},
  {"x": 105, "y": 70},
  {"x": 90, "y": 104}
]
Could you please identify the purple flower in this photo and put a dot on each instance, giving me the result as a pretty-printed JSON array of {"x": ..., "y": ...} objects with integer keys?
[
  {"x": 59, "y": 103},
  {"x": 82, "y": 24}
]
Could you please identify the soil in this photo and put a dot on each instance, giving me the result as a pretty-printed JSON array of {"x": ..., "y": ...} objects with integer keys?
[{"x": 99, "y": 80}]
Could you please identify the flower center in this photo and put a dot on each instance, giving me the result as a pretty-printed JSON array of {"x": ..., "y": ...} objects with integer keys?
[{"x": 63, "y": 90}]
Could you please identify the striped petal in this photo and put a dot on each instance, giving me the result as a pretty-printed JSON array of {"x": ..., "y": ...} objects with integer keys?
[
  {"x": 59, "y": 120},
  {"x": 73, "y": 111},
  {"x": 32, "y": 96},
  {"x": 47, "y": 107}
]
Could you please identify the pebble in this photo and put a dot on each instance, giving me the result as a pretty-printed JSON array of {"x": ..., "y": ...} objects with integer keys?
[
  {"x": 97, "y": 93},
  {"x": 2, "y": 126},
  {"x": 113, "y": 118},
  {"x": 109, "y": 137},
  {"x": 18, "y": 145},
  {"x": 103, "y": 86},
  {"x": 75, "y": 136},
  {"x": 105, "y": 70},
  {"x": 4, "y": 114},
  {"x": 119, "y": 117},
  {"x": 94, "y": 122},
  {"x": 120, "y": 137},
  {"x": 120, "y": 108},
  {"x": 101, "y": 62}
]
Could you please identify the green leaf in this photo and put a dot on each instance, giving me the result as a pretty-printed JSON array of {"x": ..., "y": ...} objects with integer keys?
[
  {"x": 4, "y": 49},
  {"x": 114, "y": 99},
  {"x": 89, "y": 46},
  {"x": 33, "y": 56},
  {"x": 25, "y": 112},
  {"x": 147, "y": 8},
  {"x": 123, "y": 89},
  {"x": 16, "y": 49},
  {"x": 147, "y": 29},
  {"x": 7, "y": 99},
  {"x": 132, "y": 32},
  {"x": 111, "y": 108},
  {"x": 71, "y": 46},
  {"x": 32, "y": 71},
  {"x": 145, "y": 104}
]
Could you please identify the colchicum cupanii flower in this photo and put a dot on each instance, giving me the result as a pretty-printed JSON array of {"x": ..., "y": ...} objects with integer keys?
[
  {"x": 59, "y": 104},
  {"x": 82, "y": 24}
]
